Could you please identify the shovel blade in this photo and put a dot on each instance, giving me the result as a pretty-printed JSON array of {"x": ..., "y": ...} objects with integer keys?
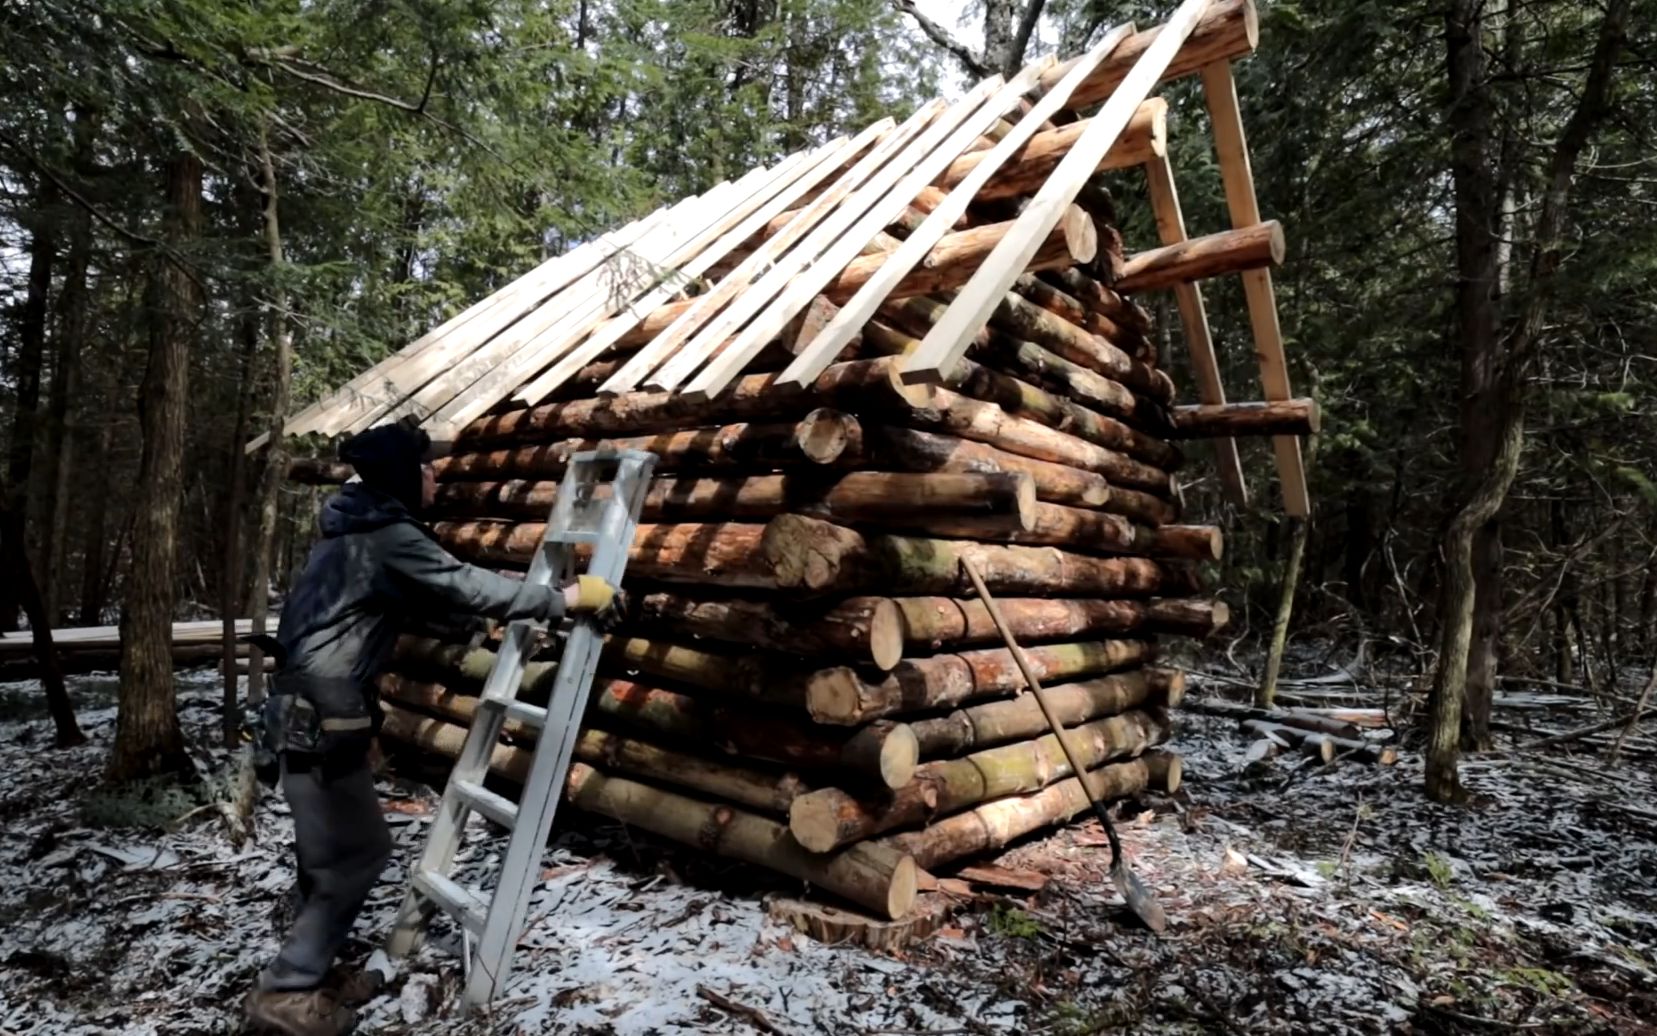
[{"x": 1138, "y": 897}]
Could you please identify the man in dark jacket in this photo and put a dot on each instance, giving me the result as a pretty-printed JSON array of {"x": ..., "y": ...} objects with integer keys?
[{"x": 375, "y": 566}]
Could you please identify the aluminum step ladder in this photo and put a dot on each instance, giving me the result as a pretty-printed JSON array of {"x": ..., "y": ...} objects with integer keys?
[{"x": 598, "y": 505}]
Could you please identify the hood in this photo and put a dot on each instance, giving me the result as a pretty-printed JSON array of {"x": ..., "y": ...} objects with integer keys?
[
  {"x": 360, "y": 507},
  {"x": 388, "y": 458}
]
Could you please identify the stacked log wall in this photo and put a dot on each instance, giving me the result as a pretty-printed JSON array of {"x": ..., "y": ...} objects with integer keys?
[{"x": 805, "y": 669}]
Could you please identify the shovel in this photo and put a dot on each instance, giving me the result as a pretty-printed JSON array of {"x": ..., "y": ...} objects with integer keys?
[{"x": 1134, "y": 892}]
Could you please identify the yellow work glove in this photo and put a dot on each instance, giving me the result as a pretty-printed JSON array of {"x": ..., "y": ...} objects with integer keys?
[{"x": 591, "y": 595}]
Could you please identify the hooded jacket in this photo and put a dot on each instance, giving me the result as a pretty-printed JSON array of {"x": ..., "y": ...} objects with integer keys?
[{"x": 375, "y": 567}]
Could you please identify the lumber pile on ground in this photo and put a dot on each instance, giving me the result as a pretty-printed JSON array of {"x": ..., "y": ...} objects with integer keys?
[{"x": 89, "y": 649}]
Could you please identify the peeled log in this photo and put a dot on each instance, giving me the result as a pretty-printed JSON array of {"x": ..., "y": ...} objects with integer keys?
[
  {"x": 767, "y": 792},
  {"x": 943, "y": 410},
  {"x": 996, "y": 722},
  {"x": 843, "y": 697},
  {"x": 1318, "y": 746},
  {"x": 827, "y": 818},
  {"x": 881, "y": 753},
  {"x": 1226, "y": 420},
  {"x": 873, "y": 876},
  {"x": 933, "y": 623},
  {"x": 906, "y": 449},
  {"x": 716, "y": 554},
  {"x": 750, "y": 397},
  {"x": 1077, "y": 387},
  {"x": 821, "y": 438},
  {"x": 1008, "y": 500},
  {"x": 1141, "y": 507},
  {"x": 1227, "y": 29},
  {"x": 957, "y": 256},
  {"x": 1084, "y": 530},
  {"x": 808, "y": 554},
  {"x": 1024, "y": 319},
  {"x": 995, "y": 824},
  {"x": 1199, "y": 542},
  {"x": 1102, "y": 300},
  {"x": 1229, "y": 251},
  {"x": 1130, "y": 340},
  {"x": 859, "y": 628},
  {"x": 1027, "y": 169}
]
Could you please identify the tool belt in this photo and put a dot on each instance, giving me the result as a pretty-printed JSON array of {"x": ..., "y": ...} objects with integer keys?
[{"x": 330, "y": 718}]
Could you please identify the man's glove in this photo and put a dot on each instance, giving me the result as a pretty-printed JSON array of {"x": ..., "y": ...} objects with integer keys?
[{"x": 591, "y": 595}]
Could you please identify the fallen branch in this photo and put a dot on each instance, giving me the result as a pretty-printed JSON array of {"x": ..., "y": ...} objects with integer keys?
[
  {"x": 1639, "y": 709},
  {"x": 753, "y": 1015}
]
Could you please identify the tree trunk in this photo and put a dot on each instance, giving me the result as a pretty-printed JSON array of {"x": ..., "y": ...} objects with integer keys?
[
  {"x": 147, "y": 735},
  {"x": 276, "y": 450},
  {"x": 1470, "y": 122},
  {"x": 25, "y": 374},
  {"x": 1267, "y": 691},
  {"x": 95, "y": 539},
  {"x": 67, "y": 731},
  {"x": 230, "y": 585}
]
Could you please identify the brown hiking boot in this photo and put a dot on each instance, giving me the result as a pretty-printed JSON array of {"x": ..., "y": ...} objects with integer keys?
[
  {"x": 354, "y": 986},
  {"x": 299, "y": 1012}
]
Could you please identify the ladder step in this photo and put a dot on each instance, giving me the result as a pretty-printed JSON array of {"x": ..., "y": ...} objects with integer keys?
[
  {"x": 500, "y": 809},
  {"x": 522, "y": 711},
  {"x": 464, "y": 905}
]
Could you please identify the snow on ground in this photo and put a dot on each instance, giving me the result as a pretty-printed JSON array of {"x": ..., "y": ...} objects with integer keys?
[{"x": 1301, "y": 900}]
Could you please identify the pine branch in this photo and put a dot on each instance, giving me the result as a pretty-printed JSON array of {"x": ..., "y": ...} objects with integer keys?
[{"x": 974, "y": 65}]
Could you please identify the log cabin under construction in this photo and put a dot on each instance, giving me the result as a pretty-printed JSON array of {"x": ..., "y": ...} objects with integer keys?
[{"x": 908, "y": 346}]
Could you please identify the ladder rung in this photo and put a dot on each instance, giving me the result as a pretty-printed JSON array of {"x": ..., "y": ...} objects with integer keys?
[
  {"x": 498, "y": 808},
  {"x": 462, "y": 904},
  {"x": 522, "y": 711}
]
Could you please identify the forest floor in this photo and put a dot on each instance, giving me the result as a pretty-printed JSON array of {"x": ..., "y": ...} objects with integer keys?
[{"x": 1302, "y": 899}]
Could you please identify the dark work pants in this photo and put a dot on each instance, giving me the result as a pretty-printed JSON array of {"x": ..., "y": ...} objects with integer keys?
[{"x": 343, "y": 845}]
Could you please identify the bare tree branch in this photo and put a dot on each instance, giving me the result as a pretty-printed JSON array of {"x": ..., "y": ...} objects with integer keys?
[
  {"x": 974, "y": 65},
  {"x": 1021, "y": 38}
]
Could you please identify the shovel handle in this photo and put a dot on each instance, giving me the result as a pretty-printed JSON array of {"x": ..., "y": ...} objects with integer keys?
[{"x": 1059, "y": 731}]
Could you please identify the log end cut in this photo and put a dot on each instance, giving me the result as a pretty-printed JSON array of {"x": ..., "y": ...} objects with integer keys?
[
  {"x": 886, "y": 634},
  {"x": 889, "y": 749},
  {"x": 825, "y": 434},
  {"x": 1164, "y": 770}
]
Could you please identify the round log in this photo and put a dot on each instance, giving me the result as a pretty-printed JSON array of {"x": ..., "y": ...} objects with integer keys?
[
  {"x": 828, "y": 818},
  {"x": 1227, "y": 29},
  {"x": 864, "y": 629},
  {"x": 933, "y": 623},
  {"x": 807, "y": 554},
  {"x": 844, "y": 697},
  {"x": 907, "y": 449},
  {"x": 1225, "y": 420},
  {"x": 1196, "y": 542},
  {"x": 1024, "y": 172},
  {"x": 1103, "y": 302},
  {"x": 996, "y": 722},
  {"x": 995, "y": 824},
  {"x": 1229, "y": 251},
  {"x": 717, "y": 554}
]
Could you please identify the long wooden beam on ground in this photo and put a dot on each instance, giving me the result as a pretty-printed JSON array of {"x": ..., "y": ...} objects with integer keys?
[
  {"x": 822, "y": 349},
  {"x": 943, "y": 347},
  {"x": 1231, "y": 146},
  {"x": 1205, "y": 366}
]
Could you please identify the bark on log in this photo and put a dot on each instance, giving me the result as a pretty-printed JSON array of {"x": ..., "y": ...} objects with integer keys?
[
  {"x": 822, "y": 438},
  {"x": 804, "y": 553},
  {"x": 1226, "y": 420},
  {"x": 1024, "y": 319},
  {"x": 842, "y": 696},
  {"x": 883, "y": 754},
  {"x": 828, "y": 818},
  {"x": 1005, "y": 500},
  {"x": 1229, "y": 251},
  {"x": 1130, "y": 340},
  {"x": 1085, "y": 531},
  {"x": 1284, "y": 717},
  {"x": 934, "y": 623},
  {"x": 997, "y": 722},
  {"x": 943, "y": 410},
  {"x": 753, "y": 396},
  {"x": 864, "y": 629},
  {"x": 906, "y": 449},
  {"x": 715, "y": 554},
  {"x": 1102, "y": 300},
  {"x": 995, "y": 824},
  {"x": 1028, "y": 168},
  {"x": 1141, "y": 507},
  {"x": 1078, "y": 387},
  {"x": 756, "y": 789},
  {"x": 876, "y": 877}
]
